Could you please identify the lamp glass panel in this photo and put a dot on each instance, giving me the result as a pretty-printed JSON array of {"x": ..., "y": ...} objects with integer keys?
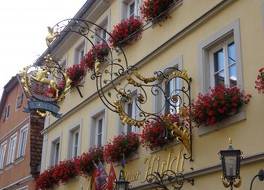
[
  {"x": 230, "y": 166},
  {"x": 121, "y": 186}
]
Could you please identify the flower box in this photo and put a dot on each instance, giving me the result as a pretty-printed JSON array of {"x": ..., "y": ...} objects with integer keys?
[
  {"x": 152, "y": 10},
  {"x": 122, "y": 146},
  {"x": 99, "y": 52},
  {"x": 126, "y": 32},
  {"x": 46, "y": 180},
  {"x": 156, "y": 134},
  {"x": 85, "y": 162},
  {"x": 218, "y": 104},
  {"x": 77, "y": 73},
  {"x": 65, "y": 171},
  {"x": 259, "y": 83}
]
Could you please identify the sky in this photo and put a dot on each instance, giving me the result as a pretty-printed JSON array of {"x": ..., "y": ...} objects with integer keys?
[{"x": 23, "y": 28}]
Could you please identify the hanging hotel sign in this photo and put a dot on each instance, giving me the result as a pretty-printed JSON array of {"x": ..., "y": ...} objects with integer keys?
[{"x": 46, "y": 86}]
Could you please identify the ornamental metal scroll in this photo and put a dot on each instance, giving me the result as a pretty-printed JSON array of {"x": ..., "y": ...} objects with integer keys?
[{"x": 117, "y": 81}]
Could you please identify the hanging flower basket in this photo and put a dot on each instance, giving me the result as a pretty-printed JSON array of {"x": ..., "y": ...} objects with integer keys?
[
  {"x": 65, "y": 171},
  {"x": 126, "y": 32},
  {"x": 259, "y": 83},
  {"x": 85, "y": 162},
  {"x": 156, "y": 134},
  {"x": 218, "y": 104},
  {"x": 99, "y": 52},
  {"x": 122, "y": 145},
  {"x": 156, "y": 9},
  {"x": 46, "y": 180},
  {"x": 77, "y": 73}
]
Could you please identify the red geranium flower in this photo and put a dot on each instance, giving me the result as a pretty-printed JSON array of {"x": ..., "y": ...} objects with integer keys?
[
  {"x": 46, "y": 180},
  {"x": 125, "y": 32},
  {"x": 154, "y": 8},
  {"x": 221, "y": 102},
  {"x": 98, "y": 52},
  {"x": 64, "y": 171},
  {"x": 76, "y": 73},
  {"x": 122, "y": 145},
  {"x": 85, "y": 162},
  {"x": 259, "y": 83}
]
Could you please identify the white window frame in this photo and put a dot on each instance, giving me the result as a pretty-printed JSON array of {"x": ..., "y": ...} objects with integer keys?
[
  {"x": 63, "y": 63},
  {"x": 97, "y": 119},
  {"x": 20, "y": 98},
  {"x": 72, "y": 145},
  {"x": 135, "y": 111},
  {"x": 53, "y": 156},
  {"x": 22, "y": 144},
  {"x": 127, "y": 6},
  {"x": 6, "y": 112},
  {"x": 232, "y": 30},
  {"x": 159, "y": 99},
  {"x": 95, "y": 116},
  {"x": 100, "y": 33},
  {"x": 11, "y": 150},
  {"x": 3, "y": 148},
  {"x": 77, "y": 52},
  {"x": 224, "y": 46}
]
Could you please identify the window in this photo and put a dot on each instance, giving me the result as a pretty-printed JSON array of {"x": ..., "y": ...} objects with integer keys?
[
  {"x": 79, "y": 53},
  {"x": 132, "y": 111},
  {"x": 22, "y": 142},
  {"x": 55, "y": 152},
  {"x": 11, "y": 149},
  {"x": 169, "y": 94},
  {"x": 99, "y": 124},
  {"x": 19, "y": 100},
  {"x": 63, "y": 63},
  {"x": 223, "y": 66},
  {"x": 3, "y": 147},
  {"x": 6, "y": 112},
  {"x": 220, "y": 58},
  {"x": 133, "y": 8},
  {"x": 172, "y": 105},
  {"x": 74, "y": 142},
  {"x": 101, "y": 34}
]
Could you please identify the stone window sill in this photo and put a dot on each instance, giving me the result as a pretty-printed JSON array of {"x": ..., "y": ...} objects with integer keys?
[
  {"x": 204, "y": 130},
  {"x": 19, "y": 159}
]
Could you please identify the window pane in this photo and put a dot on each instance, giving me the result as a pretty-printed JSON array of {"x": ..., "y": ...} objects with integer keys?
[
  {"x": 56, "y": 155},
  {"x": 99, "y": 141},
  {"x": 100, "y": 125},
  {"x": 220, "y": 78},
  {"x": 131, "y": 9},
  {"x": 231, "y": 53},
  {"x": 219, "y": 60},
  {"x": 233, "y": 75}
]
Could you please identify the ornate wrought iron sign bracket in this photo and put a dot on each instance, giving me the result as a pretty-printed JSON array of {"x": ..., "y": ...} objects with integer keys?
[{"x": 168, "y": 178}]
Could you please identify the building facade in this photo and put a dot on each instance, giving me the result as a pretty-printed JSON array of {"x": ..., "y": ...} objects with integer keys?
[
  {"x": 20, "y": 138},
  {"x": 216, "y": 42}
]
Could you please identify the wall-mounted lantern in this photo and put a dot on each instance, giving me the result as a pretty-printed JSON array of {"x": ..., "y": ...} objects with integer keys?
[{"x": 231, "y": 166}]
